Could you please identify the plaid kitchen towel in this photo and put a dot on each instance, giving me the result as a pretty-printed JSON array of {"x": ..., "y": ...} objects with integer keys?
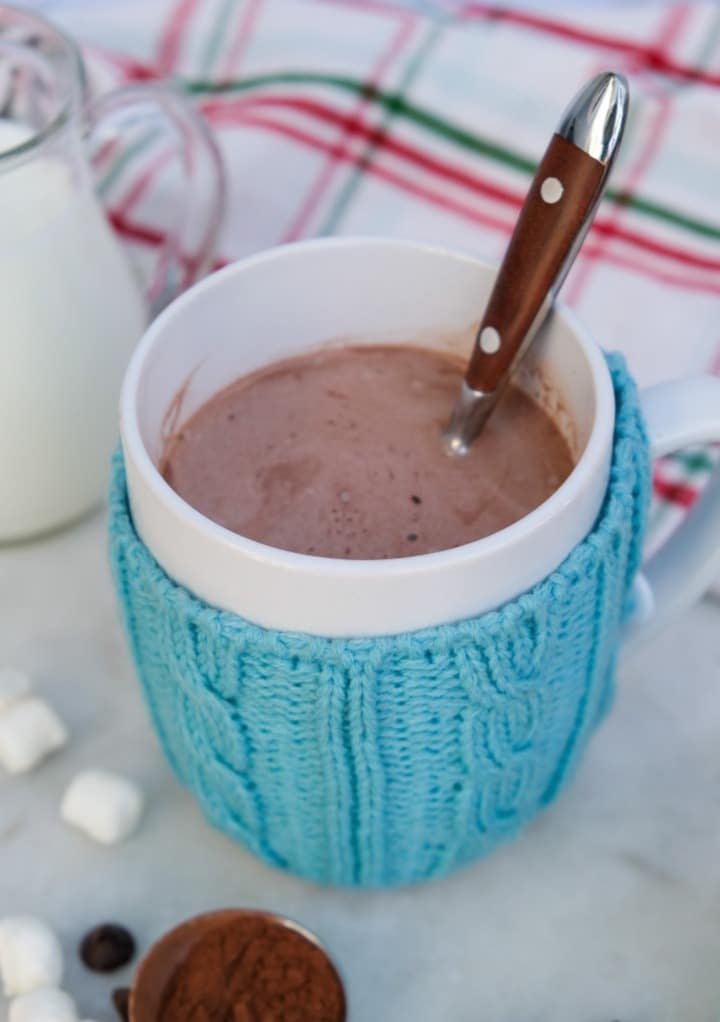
[{"x": 346, "y": 116}]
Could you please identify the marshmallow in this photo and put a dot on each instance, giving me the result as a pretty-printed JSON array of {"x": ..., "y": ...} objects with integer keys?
[
  {"x": 106, "y": 806},
  {"x": 29, "y": 731},
  {"x": 14, "y": 685},
  {"x": 46, "y": 1005},
  {"x": 30, "y": 955}
]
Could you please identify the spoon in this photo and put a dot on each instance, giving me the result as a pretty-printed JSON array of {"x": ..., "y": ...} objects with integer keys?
[
  {"x": 555, "y": 217},
  {"x": 169, "y": 960}
]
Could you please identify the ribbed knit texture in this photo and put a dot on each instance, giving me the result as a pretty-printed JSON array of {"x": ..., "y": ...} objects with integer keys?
[{"x": 389, "y": 760}]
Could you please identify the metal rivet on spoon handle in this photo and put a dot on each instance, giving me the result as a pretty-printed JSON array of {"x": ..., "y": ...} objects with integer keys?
[{"x": 553, "y": 222}]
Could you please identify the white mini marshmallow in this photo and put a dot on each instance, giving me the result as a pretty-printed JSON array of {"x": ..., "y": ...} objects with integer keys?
[
  {"x": 29, "y": 731},
  {"x": 30, "y": 955},
  {"x": 14, "y": 685},
  {"x": 43, "y": 1006},
  {"x": 106, "y": 806}
]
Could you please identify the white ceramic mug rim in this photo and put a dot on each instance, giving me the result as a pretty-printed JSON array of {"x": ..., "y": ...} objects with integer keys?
[{"x": 588, "y": 463}]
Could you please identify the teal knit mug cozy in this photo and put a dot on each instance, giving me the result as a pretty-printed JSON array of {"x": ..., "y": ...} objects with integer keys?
[{"x": 390, "y": 759}]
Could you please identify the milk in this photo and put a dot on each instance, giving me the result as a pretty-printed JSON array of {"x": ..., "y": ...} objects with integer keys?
[{"x": 70, "y": 316}]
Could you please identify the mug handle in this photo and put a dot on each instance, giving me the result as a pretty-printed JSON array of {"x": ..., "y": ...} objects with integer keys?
[
  {"x": 158, "y": 125},
  {"x": 676, "y": 415}
]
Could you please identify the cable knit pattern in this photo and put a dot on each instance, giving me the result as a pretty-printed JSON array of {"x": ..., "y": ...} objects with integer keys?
[{"x": 387, "y": 761}]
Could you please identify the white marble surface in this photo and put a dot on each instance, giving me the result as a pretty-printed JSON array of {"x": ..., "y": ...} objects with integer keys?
[{"x": 608, "y": 908}]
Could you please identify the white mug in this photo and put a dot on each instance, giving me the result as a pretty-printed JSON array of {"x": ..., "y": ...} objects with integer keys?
[{"x": 291, "y": 299}]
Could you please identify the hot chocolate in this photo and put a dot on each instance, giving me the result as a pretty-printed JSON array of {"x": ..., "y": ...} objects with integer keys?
[{"x": 337, "y": 453}]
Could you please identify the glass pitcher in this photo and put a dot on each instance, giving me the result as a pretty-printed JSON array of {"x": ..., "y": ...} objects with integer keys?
[{"x": 71, "y": 307}]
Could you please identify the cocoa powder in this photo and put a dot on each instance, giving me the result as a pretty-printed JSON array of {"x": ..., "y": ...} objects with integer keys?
[{"x": 253, "y": 969}]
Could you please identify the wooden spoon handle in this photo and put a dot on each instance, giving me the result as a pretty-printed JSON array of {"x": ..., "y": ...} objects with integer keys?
[{"x": 552, "y": 223}]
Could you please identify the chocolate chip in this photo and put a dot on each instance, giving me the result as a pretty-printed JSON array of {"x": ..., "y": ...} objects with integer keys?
[
  {"x": 107, "y": 947},
  {"x": 415, "y": 499},
  {"x": 411, "y": 537},
  {"x": 121, "y": 1000}
]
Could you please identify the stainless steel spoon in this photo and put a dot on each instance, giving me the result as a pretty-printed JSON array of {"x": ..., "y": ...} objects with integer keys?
[{"x": 555, "y": 217}]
